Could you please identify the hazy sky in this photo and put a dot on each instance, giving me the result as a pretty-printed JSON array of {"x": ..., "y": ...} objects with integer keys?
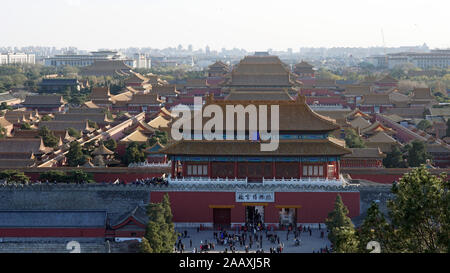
[{"x": 249, "y": 24}]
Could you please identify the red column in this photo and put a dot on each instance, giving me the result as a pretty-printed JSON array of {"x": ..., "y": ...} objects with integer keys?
[
  {"x": 300, "y": 171},
  {"x": 325, "y": 171},
  {"x": 274, "y": 169},
  {"x": 337, "y": 169},
  {"x": 235, "y": 169},
  {"x": 209, "y": 169},
  {"x": 174, "y": 162},
  {"x": 183, "y": 168}
]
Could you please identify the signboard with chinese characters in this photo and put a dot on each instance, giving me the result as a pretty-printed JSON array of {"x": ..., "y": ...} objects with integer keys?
[{"x": 255, "y": 196}]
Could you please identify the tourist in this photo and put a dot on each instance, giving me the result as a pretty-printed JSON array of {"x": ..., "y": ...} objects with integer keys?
[{"x": 190, "y": 243}]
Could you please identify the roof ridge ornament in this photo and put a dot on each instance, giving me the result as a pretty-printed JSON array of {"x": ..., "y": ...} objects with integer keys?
[{"x": 300, "y": 98}]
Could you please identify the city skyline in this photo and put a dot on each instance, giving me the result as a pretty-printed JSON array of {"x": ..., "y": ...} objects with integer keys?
[{"x": 253, "y": 25}]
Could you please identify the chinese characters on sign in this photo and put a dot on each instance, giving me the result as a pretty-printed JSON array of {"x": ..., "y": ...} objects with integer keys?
[{"x": 255, "y": 197}]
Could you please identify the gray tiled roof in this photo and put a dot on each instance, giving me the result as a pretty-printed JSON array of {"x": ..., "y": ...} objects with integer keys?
[{"x": 39, "y": 218}]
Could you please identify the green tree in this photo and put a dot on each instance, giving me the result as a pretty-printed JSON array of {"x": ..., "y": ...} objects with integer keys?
[
  {"x": 353, "y": 140},
  {"x": 424, "y": 124},
  {"x": 345, "y": 240},
  {"x": 420, "y": 212},
  {"x": 25, "y": 126},
  {"x": 374, "y": 228},
  {"x": 92, "y": 124},
  {"x": 135, "y": 153},
  {"x": 79, "y": 177},
  {"x": 155, "y": 228},
  {"x": 48, "y": 137},
  {"x": 2, "y": 132},
  {"x": 73, "y": 132},
  {"x": 417, "y": 153},
  {"x": 159, "y": 234},
  {"x": 53, "y": 176},
  {"x": 46, "y": 118},
  {"x": 338, "y": 218},
  {"x": 14, "y": 176},
  {"x": 159, "y": 136},
  {"x": 5, "y": 106},
  {"x": 111, "y": 144},
  {"x": 169, "y": 236},
  {"x": 394, "y": 159},
  {"x": 75, "y": 156},
  {"x": 145, "y": 246}
]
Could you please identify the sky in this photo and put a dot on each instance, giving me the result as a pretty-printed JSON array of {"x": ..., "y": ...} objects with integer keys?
[{"x": 254, "y": 25}]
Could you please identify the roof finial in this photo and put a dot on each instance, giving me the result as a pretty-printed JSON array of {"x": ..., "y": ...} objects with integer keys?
[{"x": 300, "y": 98}]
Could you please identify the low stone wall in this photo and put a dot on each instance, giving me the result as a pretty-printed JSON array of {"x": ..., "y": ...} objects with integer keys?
[
  {"x": 115, "y": 199},
  {"x": 368, "y": 194}
]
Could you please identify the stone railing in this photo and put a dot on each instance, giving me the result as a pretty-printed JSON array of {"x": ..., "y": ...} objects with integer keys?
[
  {"x": 146, "y": 165},
  {"x": 312, "y": 181},
  {"x": 206, "y": 180}
]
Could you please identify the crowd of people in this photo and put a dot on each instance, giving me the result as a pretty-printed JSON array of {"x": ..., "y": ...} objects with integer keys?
[
  {"x": 151, "y": 181},
  {"x": 246, "y": 239}
]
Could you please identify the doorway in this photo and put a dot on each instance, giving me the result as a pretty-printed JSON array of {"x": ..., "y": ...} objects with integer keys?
[
  {"x": 222, "y": 217},
  {"x": 254, "y": 215},
  {"x": 288, "y": 217}
]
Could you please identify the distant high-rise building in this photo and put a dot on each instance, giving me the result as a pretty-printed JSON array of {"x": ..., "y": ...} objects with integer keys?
[
  {"x": 190, "y": 48},
  {"x": 142, "y": 61},
  {"x": 207, "y": 50}
]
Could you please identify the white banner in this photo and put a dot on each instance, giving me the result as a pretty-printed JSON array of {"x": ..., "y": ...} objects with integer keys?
[{"x": 255, "y": 197}]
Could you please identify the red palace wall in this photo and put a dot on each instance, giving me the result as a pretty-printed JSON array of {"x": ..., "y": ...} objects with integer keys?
[
  {"x": 52, "y": 232},
  {"x": 194, "y": 207}
]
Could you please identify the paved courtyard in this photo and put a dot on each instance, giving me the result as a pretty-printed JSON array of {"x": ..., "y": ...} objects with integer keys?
[{"x": 308, "y": 243}]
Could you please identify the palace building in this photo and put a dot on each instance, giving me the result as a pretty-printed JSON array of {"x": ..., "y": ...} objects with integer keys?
[{"x": 231, "y": 183}]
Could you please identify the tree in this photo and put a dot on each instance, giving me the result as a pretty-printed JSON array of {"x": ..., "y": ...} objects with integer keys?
[
  {"x": 338, "y": 218},
  {"x": 5, "y": 106},
  {"x": 169, "y": 236},
  {"x": 154, "y": 229},
  {"x": 111, "y": 144},
  {"x": 75, "y": 156},
  {"x": 73, "y": 132},
  {"x": 145, "y": 246},
  {"x": 394, "y": 159},
  {"x": 160, "y": 236},
  {"x": 159, "y": 136},
  {"x": 92, "y": 124},
  {"x": 417, "y": 153},
  {"x": 345, "y": 240},
  {"x": 424, "y": 124},
  {"x": 14, "y": 176},
  {"x": 134, "y": 153},
  {"x": 53, "y": 176},
  {"x": 48, "y": 137},
  {"x": 353, "y": 140},
  {"x": 420, "y": 212},
  {"x": 374, "y": 228},
  {"x": 79, "y": 177},
  {"x": 2, "y": 132},
  {"x": 46, "y": 118},
  {"x": 25, "y": 126}
]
